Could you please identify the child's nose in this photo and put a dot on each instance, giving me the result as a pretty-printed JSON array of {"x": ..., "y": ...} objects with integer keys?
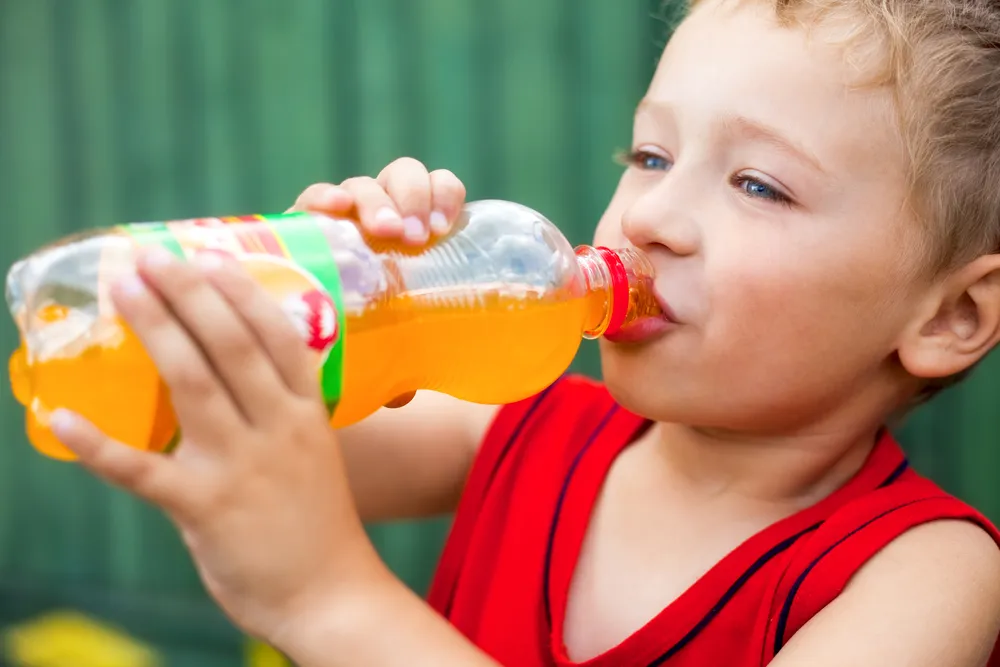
[{"x": 659, "y": 217}]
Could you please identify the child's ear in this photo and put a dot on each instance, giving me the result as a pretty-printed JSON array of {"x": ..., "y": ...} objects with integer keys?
[{"x": 959, "y": 325}]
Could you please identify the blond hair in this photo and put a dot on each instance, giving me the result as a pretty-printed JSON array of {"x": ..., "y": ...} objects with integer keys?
[{"x": 941, "y": 58}]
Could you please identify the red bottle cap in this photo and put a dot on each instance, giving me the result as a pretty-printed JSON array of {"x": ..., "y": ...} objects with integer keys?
[{"x": 619, "y": 289}]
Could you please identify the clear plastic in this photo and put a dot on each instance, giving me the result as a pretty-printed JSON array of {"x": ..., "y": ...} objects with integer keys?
[{"x": 492, "y": 313}]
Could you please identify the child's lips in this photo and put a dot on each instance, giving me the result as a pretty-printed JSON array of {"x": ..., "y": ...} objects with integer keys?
[
  {"x": 668, "y": 313},
  {"x": 647, "y": 328},
  {"x": 643, "y": 330}
]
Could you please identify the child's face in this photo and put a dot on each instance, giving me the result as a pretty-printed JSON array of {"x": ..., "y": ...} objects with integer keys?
[{"x": 787, "y": 310}]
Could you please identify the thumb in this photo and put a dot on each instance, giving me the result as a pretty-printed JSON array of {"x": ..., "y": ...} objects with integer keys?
[{"x": 145, "y": 474}]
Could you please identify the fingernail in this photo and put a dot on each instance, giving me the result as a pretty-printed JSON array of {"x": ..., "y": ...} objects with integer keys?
[
  {"x": 131, "y": 286},
  {"x": 62, "y": 422},
  {"x": 332, "y": 195},
  {"x": 387, "y": 220},
  {"x": 208, "y": 260},
  {"x": 414, "y": 230},
  {"x": 157, "y": 257},
  {"x": 439, "y": 223}
]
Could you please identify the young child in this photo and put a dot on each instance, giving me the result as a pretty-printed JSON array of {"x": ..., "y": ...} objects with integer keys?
[{"x": 818, "y": 186}]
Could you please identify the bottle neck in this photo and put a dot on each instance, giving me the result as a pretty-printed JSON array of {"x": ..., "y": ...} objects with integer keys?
[{"x": 619, "y": 289}]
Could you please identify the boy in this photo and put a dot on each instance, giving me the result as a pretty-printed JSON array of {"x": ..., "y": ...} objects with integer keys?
[{"x": 818, "y": 187}]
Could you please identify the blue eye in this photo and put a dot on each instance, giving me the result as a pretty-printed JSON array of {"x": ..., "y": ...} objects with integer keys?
[
  {"x": 645, "y": 160},
  {"x": 760, "y": 190},
  {"x": 650, "y": 161}
]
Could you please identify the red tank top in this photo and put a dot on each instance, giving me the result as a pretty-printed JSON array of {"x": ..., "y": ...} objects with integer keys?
[{"x": 506, "y": 568}]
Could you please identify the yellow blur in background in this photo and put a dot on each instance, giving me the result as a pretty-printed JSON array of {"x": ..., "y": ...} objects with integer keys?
[
  {"x": 67, "y": 638},
  {"x": 262, "y": 655}
]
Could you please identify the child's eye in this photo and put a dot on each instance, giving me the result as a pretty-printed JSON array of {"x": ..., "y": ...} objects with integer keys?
[
  {"x": 758, "y": 189},
  {"x": 645, "y": 160}
]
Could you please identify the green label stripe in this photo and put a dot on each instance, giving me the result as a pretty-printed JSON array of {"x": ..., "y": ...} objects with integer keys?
[{"x": 309, "y": 248}]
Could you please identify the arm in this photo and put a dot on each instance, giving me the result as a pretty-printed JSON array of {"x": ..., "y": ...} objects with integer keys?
[
  {"x": 931, "y": 598},
  {"x": 412, "y": 462},
  {"x": 259, "y": 488}
]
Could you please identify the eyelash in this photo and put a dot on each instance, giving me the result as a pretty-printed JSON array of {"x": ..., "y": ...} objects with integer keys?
[{"x": 639, "y": 159}]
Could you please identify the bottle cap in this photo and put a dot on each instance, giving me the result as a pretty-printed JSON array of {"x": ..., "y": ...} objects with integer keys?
[{"x": 619, "y": 289}]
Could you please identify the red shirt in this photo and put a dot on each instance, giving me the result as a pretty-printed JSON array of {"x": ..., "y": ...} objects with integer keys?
[{"x": 506, "y": 568}]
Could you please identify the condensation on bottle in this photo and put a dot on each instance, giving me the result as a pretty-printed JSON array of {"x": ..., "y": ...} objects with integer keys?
[{"x": 492, "y": 313}]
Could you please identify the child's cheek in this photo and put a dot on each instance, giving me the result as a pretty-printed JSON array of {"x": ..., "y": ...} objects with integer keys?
[
  {"x": 754, "y": 302},
  {"x": 780, "y": 306}
]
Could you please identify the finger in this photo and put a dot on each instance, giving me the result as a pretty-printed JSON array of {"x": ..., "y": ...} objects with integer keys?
[
  {"x": 448, "y": 198},
  {"x": 264, "y": 318},
  {"x": 324, "y": 198},
  {"x": 183, "y": 324},
  {"x": 231, "y": 349},
  {"x": 375, "y": 210},
  {"x": 153, "y": 477},
  {"x": 409, "y": 185}
]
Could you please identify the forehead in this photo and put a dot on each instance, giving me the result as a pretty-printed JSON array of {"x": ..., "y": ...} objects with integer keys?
[{"x": 734, "y": 58}]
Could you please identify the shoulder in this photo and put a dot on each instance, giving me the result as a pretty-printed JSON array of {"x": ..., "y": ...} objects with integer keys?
[
  {"x": 931, "y": 596},
  {"x": 948, "y": 558},
  {"x": 555, "y": 410},
  {"x": 543, "y": 427}
]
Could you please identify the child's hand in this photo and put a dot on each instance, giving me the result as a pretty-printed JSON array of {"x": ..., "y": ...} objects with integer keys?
[
  {"x": 257, "y": 487},
  {"x": 404, "y": 201}
]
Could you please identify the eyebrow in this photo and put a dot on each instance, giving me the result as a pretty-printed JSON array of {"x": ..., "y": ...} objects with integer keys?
[
  {"x": 757, "y": 130},
  {"x": 749, "y": 128}
]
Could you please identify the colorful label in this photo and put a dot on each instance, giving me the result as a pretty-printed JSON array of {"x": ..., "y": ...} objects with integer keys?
[{"x": 290, "y": 257}]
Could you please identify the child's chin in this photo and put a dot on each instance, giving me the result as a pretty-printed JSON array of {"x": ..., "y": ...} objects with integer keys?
[
  {"x": 651, "y": 387},
  {"x": 634, "y": 390}
]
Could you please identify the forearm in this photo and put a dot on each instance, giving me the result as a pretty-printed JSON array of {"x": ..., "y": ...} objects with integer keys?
[
  {"x": 412, "y": 462},
  {"x": 392, "y": 480},
  {"x": 378, "y": 625}
]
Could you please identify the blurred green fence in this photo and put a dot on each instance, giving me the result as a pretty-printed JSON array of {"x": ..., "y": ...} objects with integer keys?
[{"x": 125, "y": 110}]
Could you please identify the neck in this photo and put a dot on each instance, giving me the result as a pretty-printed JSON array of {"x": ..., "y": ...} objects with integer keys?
[
  {"x": 793, "y": 465},
  {"x": 795, "y": 471}
]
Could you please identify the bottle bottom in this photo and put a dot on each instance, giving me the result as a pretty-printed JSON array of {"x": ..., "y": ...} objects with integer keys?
[{"x": 115, "y": 386}]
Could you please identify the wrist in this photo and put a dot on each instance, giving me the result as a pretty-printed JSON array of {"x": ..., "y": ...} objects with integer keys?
[
  {"x": 374, "y": 621},
  {"x": 329, "y": 598},
  {"x": 326, "y": 623}
]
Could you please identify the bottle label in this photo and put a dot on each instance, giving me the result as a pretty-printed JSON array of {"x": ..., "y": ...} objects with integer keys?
[{"x": 288, "y": 255}]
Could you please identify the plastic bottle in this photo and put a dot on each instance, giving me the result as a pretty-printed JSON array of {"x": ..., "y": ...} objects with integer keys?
[{"x": 491, "y": 313}]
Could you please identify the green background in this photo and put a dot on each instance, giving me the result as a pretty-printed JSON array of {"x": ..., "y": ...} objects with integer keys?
[{"x": 130, "y": 110}]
